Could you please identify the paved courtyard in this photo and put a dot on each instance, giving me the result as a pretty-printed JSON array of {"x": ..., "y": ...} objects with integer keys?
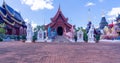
[{"x": 19, "y": 52}]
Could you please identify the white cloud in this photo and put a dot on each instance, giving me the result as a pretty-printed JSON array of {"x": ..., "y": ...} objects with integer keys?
[
  {"x": 39, "y": 4},
  {"x": 113, "y": 13},
  {"x": 26, "y": 20},
  {"x": 32, "y": 23},
  {"x": 90, "y": 4}
]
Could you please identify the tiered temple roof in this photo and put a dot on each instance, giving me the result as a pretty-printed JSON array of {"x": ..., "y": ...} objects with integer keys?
[
  {"x": 59, "y": 20},
  {"x": 118, "y": 20},
  {"x": 103, "y": 22},
  {"x": 12, "y": 19},
  {"x": 9, "y": 15}
]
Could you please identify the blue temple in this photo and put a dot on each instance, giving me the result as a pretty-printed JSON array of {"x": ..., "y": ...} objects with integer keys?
[{"x": 12, "y": 19}]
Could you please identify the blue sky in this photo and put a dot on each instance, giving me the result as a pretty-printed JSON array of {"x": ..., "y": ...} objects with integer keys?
[{"x": 38, "y": 11}]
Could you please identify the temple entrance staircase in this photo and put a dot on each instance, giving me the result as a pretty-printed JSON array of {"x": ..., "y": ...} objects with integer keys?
[{"x": 61, "y": 39}]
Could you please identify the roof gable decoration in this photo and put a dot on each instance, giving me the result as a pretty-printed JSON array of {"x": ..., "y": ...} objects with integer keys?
[{"x": 58, "y": 14}]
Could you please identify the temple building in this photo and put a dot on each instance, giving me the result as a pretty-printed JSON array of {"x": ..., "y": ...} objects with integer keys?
[
  {"x": 14, "y": 23},
  {"x": 118, "y": 23},
  {"x": 103, "y": 23},
  {"x": 59, "y": 23},
  {"x": 118, "y": 20}
]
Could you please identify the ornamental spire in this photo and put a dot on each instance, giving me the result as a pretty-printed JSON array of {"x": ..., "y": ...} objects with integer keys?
[
  {"x": 103, "y": 13},
  {"x": 89, "y": 14},
  {"x": 4, "y": 2},
  {"x": 59, "y": 9}
]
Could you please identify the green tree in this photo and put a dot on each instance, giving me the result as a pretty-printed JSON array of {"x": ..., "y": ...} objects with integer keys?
[
  {"x": 37, "y": 28},
  {"x": 2, "y": 31}
]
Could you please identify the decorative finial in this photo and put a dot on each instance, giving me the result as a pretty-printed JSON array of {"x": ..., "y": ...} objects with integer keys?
[
  {"x": 59, "y": 8},
  {"x": 89, "y": 11},
  {"x": 103, "y": 13},
  {"x": 3, "y": 1}
]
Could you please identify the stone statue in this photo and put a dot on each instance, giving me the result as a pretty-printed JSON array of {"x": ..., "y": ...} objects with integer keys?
[
  {"x": 49, "y": 32},
  {"x": 80, "y": 36},
  {"x": 48, "y": 39},
  {"x": 29, "y": 33},
  {"x": 72, "y": 34},
  {"x": 91, "y": 35}
]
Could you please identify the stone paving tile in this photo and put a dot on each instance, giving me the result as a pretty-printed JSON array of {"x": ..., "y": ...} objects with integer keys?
[{"x": 19, "y": 52}]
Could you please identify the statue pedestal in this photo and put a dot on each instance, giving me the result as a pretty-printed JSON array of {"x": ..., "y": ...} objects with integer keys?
[
  {"x": 71, "y": 40},
  {"x": 40, "y": 40},
  {"x": 91, "y": 40},
  {"x": 28, "y": 41},
  {"x": 49, "y": 40},
  {"x": 80, "y": 40}
]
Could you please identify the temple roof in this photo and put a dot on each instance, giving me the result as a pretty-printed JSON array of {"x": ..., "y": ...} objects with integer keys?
[
  {"x": 9, "y": 19},
  {"x": 3, "y": 11},
  {"x": 103, "y": 23},
  {"x": 60, "y": 19},
  {"x": 13, "y": 13},
  {"x": 103, "y": 20},
  {"x": 10, "y": 16},
  {"x": 118, "y": 17},
  {"x": 1, "y": 20},
  {"x": 59, "y": 13}
]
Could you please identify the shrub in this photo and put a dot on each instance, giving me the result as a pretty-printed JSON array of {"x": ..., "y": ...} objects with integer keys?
[
  {"x": 23, "y": 37},
  {"x": 85, "y": 37},
  {"x": 1, "y": 39},
  {"x": 2, "y": 31},
  {"x": 97, "y": 37},
  {"x": 18, "y": 37},
  {"x": 34, "y": 38}
]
